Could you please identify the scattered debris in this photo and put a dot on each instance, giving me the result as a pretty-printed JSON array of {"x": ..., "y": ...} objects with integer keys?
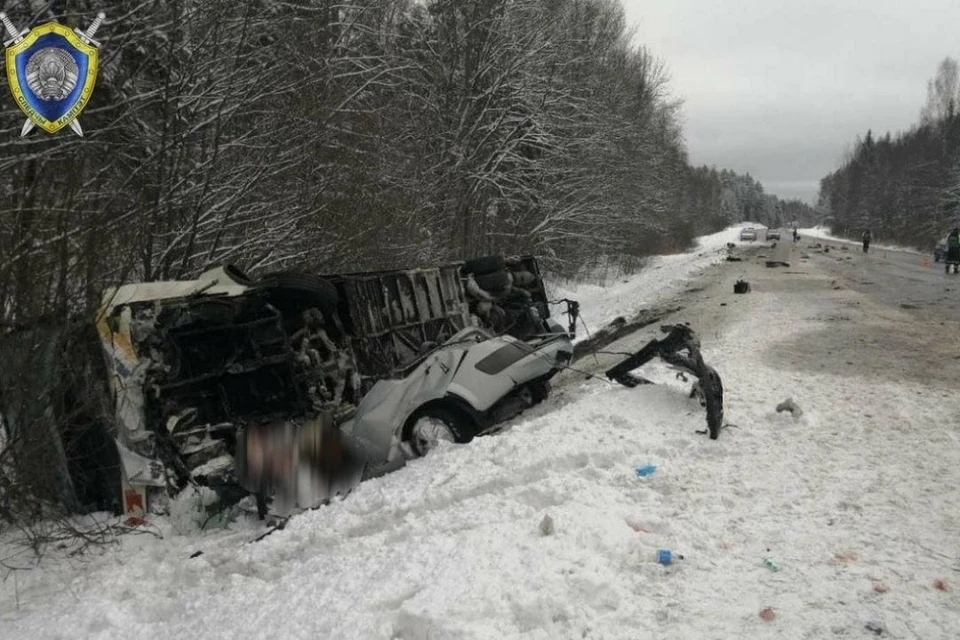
[
  {"x": 907, "y": 305},
  {"x": 732, "y": 258},
  {"x": 845, "y": 558},
  {"x": 875, "y": 627},
  {"x": 826, "y": 249},
  {"x": 767, "y": 614},
  {"x": 196, "y": 554},
  {"x": 940, "y": 585},
  {"x": 777, "y": 263},
  {"x": 804, "y": 256},
  {"x": 791, "y": 406},
  {"x": 741, "y": 286},
  {"x": 646, "y": 470},
  {"x": 546, "y": 525},
  {"x": 880, "y": 587},
  {"x": 665, "y": 557},
  {"x": 771, "y": 564}
]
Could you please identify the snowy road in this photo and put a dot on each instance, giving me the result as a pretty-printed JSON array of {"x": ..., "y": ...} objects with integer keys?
[{"x": 857, "y": 502}]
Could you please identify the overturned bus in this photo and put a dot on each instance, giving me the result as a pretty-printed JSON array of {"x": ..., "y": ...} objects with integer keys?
[{"x": 240, "y": 384}]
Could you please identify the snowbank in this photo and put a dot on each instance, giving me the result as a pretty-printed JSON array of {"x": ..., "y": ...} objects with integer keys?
[
  {"x": 660, "y": 278},
  {"x": 823, "y": 233}
]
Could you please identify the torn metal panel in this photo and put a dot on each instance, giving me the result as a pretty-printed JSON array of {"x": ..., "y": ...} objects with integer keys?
[
  {"x": 396, "y": 317},
  {"x": 681, "y": 349}
]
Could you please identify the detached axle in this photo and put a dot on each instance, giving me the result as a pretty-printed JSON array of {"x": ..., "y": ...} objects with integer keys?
[{"x": 681, "y": 349}]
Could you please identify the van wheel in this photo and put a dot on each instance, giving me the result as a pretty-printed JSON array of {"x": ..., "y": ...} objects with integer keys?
[
  {"x": 496, "y": 281},
  {"x": 437, "y": 424},
  {"x": 484, "y": 265},
  {"x": 292, "y": 292}
]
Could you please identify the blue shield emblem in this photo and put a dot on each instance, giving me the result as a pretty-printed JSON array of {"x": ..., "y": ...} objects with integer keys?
[{"x": 51, "y": 73}]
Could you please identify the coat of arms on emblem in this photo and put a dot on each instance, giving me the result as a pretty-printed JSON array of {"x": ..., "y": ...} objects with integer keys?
[{"x": 52, "y": 71}]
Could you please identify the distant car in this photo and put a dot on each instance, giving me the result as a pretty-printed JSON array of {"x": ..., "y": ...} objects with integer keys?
[
  {"x": 748, "y": 233},
  {"x": 940, "y": 251},
  {"x": 773, "y": 234}
]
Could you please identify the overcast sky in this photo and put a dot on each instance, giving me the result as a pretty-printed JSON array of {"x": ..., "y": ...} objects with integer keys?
[{"x": 780, "y": 89}]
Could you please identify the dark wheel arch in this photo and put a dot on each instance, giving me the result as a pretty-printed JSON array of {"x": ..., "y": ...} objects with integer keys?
[{"x": 460, "y": 422}]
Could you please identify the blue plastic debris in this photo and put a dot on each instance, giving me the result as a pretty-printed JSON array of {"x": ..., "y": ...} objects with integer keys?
[{"x": 646, "y": 470}]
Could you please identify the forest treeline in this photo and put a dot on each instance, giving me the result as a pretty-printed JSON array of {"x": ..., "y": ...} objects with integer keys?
[
  {"x": 904, "y": 188},
  {"x": 350, "y": 135}
]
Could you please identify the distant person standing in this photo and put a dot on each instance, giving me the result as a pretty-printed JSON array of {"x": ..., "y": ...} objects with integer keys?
[
  {"x": 866, "y": 241},
  {"x": 796, "y": 235},
  {"x": 953, "y": 250}
]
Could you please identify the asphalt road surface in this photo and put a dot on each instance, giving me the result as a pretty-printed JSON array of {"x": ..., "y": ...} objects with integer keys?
[{"x": 895, "y": 278}]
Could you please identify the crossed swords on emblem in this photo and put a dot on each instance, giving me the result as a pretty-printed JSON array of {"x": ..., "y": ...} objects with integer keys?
[{"x": 85, "y": 36}]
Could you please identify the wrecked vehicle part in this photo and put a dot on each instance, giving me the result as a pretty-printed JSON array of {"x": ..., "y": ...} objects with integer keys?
[
  {"x": 680, "y": 349},
  {"x": 395, "y": 317},
  {"x": 193, "y": 367},
  {"x": 507, "y": 296},
  {"x": 456, "y": 392},
  {"x": 190, "y": 371},
  {"x": 476, "y": 379}
]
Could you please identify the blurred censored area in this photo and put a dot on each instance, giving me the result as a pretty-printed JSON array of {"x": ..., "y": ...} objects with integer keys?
[{"x": 298, "y": 464}]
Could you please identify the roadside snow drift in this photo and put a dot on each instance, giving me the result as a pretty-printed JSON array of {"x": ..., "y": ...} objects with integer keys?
[
  {"x": 823, "y": 233},
  {"x": 661, "y": 276}
]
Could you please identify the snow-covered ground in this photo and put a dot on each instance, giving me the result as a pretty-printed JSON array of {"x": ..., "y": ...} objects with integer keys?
[
  {"x": 857, "y": 502},
  {"x": 824, "y": 234},
  {"x": 601, "y": 303}
]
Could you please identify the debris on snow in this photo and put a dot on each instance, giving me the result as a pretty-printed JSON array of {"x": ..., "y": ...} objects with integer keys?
[
  {"x": 546, "y": 525},
  {"x": 665, "y": 557},
  {"x": 791, "y": 406},
  {"x": 875, "y": 627},
  {"x": 845, "y": 558},
  {"x": 741, "y": 286},
  {"x": 646, "y": 470},
  {"x": 767, "y": 614}
]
